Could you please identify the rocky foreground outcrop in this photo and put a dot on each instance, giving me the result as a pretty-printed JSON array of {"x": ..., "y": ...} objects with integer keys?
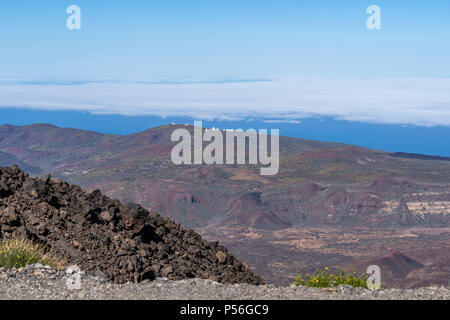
[{"x": 123, "y": 242}]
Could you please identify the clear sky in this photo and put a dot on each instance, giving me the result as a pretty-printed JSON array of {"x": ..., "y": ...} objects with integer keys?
[
  {"x": 240, "y": 38},
  {"x": 280, "y": 61}
]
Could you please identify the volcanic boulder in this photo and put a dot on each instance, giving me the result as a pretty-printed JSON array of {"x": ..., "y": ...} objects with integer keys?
[{"x": 125, "y": 242}]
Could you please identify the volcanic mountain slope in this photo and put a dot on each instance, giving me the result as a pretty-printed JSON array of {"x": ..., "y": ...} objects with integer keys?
[
  {"x": 102, "y": 236},
  {"x": 330, "y": 204},
  {"x": 394, "y": 265},
  {"x": 318, "y": 183},
  {"x": 401, "y": 270}
]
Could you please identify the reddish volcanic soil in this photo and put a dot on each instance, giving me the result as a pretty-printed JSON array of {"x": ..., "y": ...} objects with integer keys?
[
  {"x": 407, "y": 258},
  {"x": 330, "y": 205}
]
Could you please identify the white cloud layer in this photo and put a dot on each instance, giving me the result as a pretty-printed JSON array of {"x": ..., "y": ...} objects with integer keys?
[
  {"x": 283, "y": 121},
  {"x": 413, "y": 101}
]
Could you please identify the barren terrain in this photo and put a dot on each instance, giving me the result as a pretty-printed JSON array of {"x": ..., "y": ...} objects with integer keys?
[{"x": 331, "y": 204}]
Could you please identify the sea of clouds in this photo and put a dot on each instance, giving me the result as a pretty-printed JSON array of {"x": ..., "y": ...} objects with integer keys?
[{"x": 408, "y": 101}]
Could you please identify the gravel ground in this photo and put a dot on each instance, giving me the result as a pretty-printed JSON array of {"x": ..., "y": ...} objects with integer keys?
[{"x": 38, "y": 282}]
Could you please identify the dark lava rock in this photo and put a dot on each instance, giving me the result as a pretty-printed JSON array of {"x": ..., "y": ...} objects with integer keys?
[{"x": 125, "y": 242}]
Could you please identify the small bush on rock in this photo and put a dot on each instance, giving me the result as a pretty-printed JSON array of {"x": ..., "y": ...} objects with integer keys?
[
  {"x": 16, "y": 253},
  {"x": 325, "y": 279}
]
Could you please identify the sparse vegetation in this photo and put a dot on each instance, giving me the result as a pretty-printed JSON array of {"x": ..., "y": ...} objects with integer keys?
[
  {"x": 16, "y": 253},
  {"x": 325, "y": 279}
]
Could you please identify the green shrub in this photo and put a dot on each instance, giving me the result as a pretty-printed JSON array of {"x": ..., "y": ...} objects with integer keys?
[
  {"x": 16, "y": 253},
  {"x": 325, "y": 279}
]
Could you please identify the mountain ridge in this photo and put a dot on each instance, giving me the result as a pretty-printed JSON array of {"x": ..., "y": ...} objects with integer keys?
[
  {"x": 329, "y": 205},
  {"x": 137, "y": 167}
]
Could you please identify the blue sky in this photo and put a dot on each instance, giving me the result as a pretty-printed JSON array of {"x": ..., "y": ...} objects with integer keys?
[
  {"x": 287, "y": 60},
  {"x": 242, "y": 38}
]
